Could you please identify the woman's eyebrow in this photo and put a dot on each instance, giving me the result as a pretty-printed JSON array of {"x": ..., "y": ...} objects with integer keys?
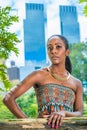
[
  {"x": 56, "y": 43},
  {"x": 49, "y": 44}
]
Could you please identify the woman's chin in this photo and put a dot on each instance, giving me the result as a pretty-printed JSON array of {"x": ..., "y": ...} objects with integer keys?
[{"x": 55, "y": 62}]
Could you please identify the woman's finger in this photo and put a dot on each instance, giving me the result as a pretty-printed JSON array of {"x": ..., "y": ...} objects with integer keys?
[
  {"x": 50, "y": 119},
  {"x": 55, "y": 117}
]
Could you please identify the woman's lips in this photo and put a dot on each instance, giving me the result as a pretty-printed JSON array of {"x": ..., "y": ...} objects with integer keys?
[{"x": 54, "y": 57}]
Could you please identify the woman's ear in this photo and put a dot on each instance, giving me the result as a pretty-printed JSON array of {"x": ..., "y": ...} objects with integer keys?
[{"x": 67, "y": 52}]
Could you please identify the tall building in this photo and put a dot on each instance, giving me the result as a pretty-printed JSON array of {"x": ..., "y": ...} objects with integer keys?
[
  {"x": 34, "y": 33},
  {"x": 69, "y": 23}
]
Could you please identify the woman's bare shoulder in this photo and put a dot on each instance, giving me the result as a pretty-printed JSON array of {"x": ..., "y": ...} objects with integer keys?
[
  {"x": 77, "y": 82},
  {"x": 37, "y": 74},
  {"x": 40, "y": 75}
]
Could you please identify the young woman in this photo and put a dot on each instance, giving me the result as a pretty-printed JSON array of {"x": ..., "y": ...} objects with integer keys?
[{"x": 58, "y": 93}]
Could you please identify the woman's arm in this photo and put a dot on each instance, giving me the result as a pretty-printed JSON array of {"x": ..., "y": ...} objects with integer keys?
[
  {"x": 10, "y": 98},
  {"x": 9, "y": 101},
  {"x": 78, "y": 105}
]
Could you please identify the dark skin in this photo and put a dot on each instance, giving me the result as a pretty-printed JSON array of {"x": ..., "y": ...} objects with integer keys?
[{"x": 57, "y": 55}]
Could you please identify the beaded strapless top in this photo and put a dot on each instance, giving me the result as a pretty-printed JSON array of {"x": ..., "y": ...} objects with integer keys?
[{"x": 54, "y": 97}]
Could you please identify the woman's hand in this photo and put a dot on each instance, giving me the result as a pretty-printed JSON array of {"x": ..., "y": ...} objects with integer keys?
[{"x": 55, "y": 119}]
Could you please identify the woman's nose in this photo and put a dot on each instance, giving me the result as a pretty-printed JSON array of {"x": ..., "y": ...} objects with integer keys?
[{"x": 54, "y": 50}]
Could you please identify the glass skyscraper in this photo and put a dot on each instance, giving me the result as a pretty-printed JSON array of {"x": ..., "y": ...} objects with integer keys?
[
  {"x": 34, "y": 33},
  {"x": 69, "y": 23}
]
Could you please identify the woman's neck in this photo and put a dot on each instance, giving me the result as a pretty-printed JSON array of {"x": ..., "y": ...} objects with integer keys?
[
  {"x": 59, "y": 73},
  {"x": 58, "y": 69}
]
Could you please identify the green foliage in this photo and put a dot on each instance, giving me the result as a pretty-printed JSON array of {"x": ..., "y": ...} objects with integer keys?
[
  {"x": 3, "y": 77},
  {"x": 82, "y": 1},
  {"x": 8, "y": 41},
  {"x": 85, "y": 103},
  {"x": 85, "y": 10},
  {"x": 79, "y": 60},
  {"x": 85, "y": 97},
  {"x": 28, "y": 104},
  {"x": 85, "y": 6},
  {"x": 4, "y": 112}
]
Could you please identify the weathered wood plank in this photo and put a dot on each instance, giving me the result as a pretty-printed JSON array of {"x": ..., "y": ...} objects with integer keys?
[{"x": 71, "y": 123}]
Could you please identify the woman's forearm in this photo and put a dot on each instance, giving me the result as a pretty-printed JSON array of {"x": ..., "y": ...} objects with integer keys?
[
  {"x": 73, "y": 114},
  {"x": 13, "y": 107}
]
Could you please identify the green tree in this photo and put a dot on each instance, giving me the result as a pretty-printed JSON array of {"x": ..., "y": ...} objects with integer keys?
[
  {"x": 79, "y": 60},
  {"x": 8, "y": 41},
  {"x": 85, "y": 6}
]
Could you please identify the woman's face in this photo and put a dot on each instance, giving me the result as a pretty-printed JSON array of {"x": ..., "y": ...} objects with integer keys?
[{"x": 56, "y": 50}]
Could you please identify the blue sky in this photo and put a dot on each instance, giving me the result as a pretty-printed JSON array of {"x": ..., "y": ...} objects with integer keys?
[{"x": 53, "y": 20}]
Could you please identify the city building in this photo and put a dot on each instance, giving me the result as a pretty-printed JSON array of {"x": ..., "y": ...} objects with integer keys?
[
  {"x": 13, "y": 72},
  {"x": 34, "y": 26},
  {"x": 34, "y": 32},
  {"x": 69, "y": 23}
]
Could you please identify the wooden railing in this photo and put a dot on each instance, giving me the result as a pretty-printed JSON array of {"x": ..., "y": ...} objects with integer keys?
[{"x": 75, "y": 123}]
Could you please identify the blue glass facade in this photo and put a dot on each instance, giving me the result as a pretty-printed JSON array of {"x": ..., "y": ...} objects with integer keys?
[
  {"x": 34, "y": 33},
  {"x": 69, "y": 23}
]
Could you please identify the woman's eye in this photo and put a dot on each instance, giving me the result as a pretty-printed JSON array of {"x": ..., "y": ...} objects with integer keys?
[
  {"x": 49, "y": 48},
  {"x": 58, "y": 46}
]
